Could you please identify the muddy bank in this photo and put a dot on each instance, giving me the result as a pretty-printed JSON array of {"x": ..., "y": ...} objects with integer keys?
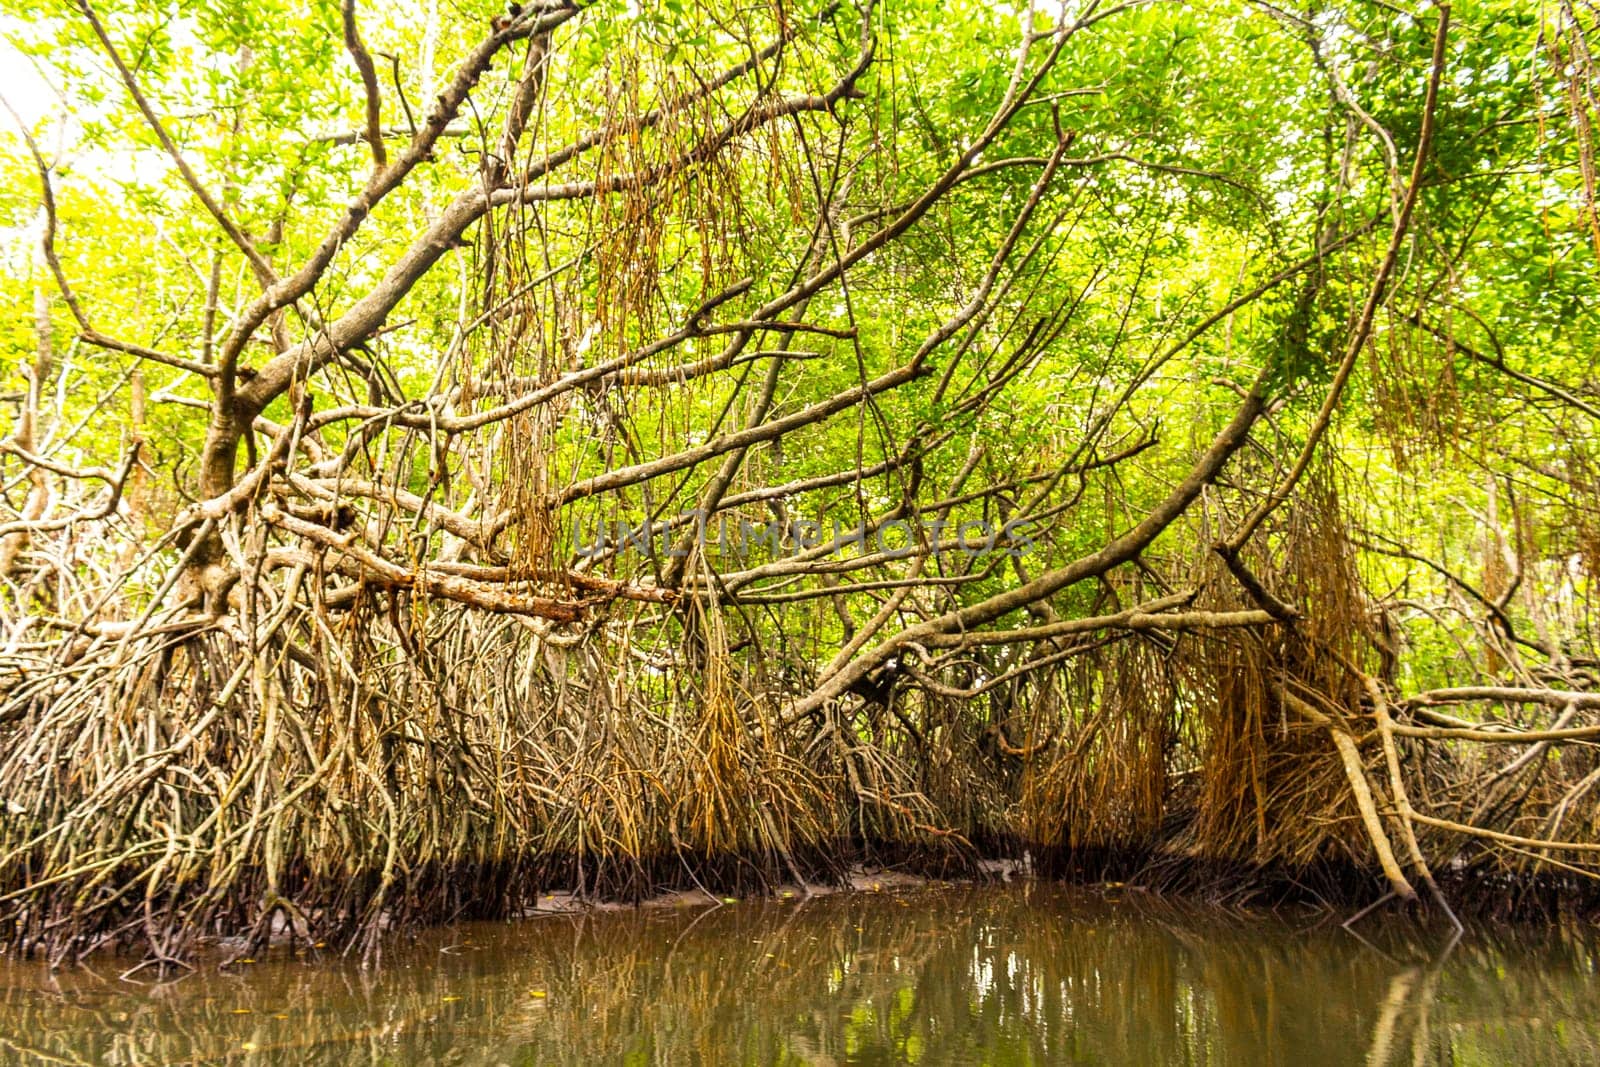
[{"x": 1328, "y": 891}]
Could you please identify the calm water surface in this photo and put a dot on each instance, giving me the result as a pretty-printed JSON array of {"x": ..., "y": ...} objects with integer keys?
[{"x": 1017, "y": 974}]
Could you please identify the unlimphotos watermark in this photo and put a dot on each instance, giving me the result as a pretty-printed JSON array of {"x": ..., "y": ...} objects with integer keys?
[{"x": 891, "y": 538}]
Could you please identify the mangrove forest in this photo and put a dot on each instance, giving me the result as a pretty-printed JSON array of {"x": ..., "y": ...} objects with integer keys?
[{"x": 456, "y": 453}]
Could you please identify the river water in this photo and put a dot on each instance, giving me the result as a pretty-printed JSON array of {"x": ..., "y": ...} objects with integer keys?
[{"x": 1003, "y": 974}]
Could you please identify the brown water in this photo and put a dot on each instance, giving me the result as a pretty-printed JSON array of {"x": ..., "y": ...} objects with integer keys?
[{"x": 1017, "y": 974}]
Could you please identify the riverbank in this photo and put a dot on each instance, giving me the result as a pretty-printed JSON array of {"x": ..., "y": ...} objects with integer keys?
[{"x": 1326, "y": 893}]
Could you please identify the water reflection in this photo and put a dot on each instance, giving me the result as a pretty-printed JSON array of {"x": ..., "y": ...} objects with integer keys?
[{"x": 992, "y": 975}]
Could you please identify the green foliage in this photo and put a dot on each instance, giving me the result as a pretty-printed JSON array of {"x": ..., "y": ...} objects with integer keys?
[{"x": 1210, "y": 150}]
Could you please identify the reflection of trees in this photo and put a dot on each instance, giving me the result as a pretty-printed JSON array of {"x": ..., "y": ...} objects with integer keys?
[{"x": 992, "y": 976}]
